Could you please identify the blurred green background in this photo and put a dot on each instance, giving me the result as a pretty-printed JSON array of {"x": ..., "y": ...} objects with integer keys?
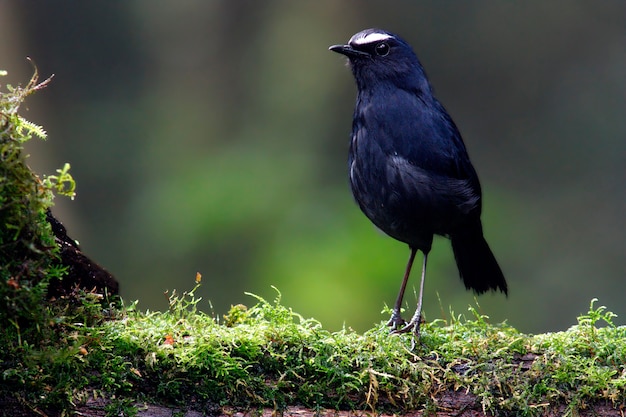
[{"x": 212, "y": 136}]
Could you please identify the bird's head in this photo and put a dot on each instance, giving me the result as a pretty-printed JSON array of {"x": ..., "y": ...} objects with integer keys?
[{"x": 377, "y": 56}]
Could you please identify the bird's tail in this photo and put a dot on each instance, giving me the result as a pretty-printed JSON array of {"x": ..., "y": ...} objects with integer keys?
[{"x": 478, "y": 267}]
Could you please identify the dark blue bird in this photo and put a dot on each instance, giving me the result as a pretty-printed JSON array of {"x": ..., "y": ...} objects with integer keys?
[{"x": 409, "y": 169}]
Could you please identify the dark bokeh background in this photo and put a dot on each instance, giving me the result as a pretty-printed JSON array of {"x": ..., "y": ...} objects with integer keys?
[{"x": 212, "y": 136}]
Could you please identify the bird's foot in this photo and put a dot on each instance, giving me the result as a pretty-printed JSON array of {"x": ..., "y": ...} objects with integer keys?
[
  {"x": 411, "y": 327},
  {"x": 396, "y": 321}
]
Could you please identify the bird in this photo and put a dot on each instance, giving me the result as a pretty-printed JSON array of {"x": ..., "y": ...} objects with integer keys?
[{"x": 409, "y": 169}]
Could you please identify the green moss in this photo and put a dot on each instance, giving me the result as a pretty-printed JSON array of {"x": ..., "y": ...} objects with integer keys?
[
  {"x": 273, "y": 357},
  {"x": 28, "y": 254}
]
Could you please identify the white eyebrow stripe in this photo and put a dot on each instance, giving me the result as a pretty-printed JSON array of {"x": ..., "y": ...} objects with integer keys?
[{"x": 369, "y": 38}]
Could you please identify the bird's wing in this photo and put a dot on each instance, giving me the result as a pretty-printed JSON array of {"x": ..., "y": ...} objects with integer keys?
[
  {"x": 440, "y": 196},
  {"x": 420, "y": 130}
]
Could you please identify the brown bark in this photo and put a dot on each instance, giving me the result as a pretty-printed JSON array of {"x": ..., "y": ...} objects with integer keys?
[
  {"x": 451, "y": 404},
  {"x": 82, "y": 272}
]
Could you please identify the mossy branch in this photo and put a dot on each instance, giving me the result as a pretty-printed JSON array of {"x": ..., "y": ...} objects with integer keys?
[{"x": 267, "y": 356}]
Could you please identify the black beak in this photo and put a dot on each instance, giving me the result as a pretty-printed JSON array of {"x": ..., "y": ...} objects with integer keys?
[{"x": 347, "y": 50}]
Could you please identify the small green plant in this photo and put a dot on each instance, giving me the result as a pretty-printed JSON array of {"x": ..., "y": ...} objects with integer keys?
[{"x": 121, "y": 407}]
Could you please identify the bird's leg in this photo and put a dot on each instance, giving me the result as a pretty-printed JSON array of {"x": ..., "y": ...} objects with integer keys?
[
  {"x": 416, "y": 320},
  {"x": 396, "y": 320}
]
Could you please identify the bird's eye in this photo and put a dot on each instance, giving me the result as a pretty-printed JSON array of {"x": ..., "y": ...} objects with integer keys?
[{"x": 382, "y": 49}]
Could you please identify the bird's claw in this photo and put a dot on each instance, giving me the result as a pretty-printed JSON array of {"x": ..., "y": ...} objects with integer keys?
[
  {"x": 411, "y": 327},
  {"x": 396, "y": 321}
]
